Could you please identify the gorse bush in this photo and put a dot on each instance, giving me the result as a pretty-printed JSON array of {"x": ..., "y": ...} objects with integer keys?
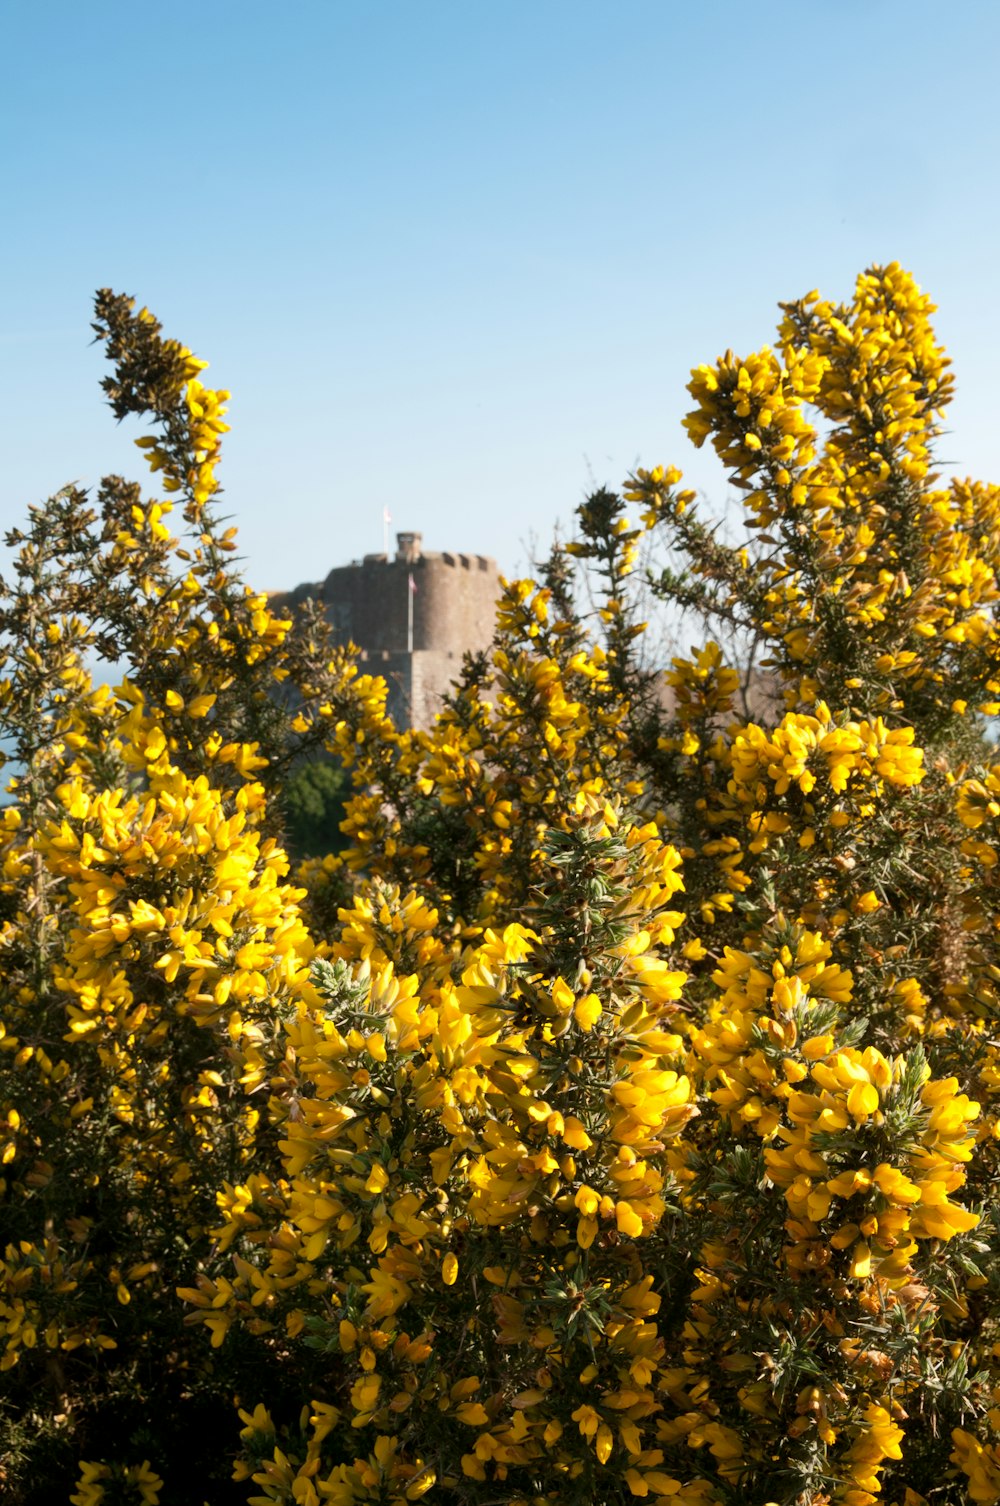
[{"x": 616, "y": 1116}]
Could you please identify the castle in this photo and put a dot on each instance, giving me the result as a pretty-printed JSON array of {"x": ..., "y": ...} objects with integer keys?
[{"x": 411, "y": 617}]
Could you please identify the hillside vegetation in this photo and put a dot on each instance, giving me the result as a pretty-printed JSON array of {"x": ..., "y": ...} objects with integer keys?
[{"x": 615, "y": 1116}]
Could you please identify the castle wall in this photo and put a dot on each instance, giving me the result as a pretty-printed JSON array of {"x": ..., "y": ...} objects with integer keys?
[
  {"x": 432, "y": 671},
  {"x": 453, "y": 602}
]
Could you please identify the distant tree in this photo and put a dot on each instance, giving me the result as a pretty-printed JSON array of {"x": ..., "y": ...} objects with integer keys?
[{"x": 314, "y": 808}]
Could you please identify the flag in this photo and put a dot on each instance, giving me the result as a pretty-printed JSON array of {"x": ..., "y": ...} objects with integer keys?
[
  {"x": 386, "y": 516},
  {"x": 413, "y": 585}
]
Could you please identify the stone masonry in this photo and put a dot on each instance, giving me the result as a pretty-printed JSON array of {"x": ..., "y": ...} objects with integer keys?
[{"x": 452, "y": 601}]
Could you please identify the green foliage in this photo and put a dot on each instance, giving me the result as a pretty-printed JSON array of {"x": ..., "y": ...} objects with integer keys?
[{"x": 313, "y": 802}]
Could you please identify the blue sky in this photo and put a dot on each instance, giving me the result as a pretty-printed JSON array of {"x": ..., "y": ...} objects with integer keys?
[{"x": 456, "y": 256}]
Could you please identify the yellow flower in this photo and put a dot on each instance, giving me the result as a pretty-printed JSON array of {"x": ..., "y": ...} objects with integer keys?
[{"x": 587, "y": 1011}]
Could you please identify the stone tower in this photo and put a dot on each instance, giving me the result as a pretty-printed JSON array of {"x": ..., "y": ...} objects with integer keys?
[{"x": 412, "y": 618}]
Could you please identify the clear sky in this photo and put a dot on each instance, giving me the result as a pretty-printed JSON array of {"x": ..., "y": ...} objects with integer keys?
[{"x": 456, "y": 257}]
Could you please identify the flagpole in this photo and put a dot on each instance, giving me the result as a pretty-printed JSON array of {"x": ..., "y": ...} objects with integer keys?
[
  {"x": 386, "y": 520},
  {"x": 409, "y": 614}
]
